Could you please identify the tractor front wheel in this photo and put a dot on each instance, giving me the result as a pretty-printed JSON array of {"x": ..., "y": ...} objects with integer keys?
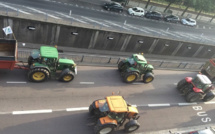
[
  {"x": 131, "y": 126},
  {"x": 38, "y": 74},
  {"x": 66, "y": 76},
  {"x": 193, "y": 97},
  {"x": 104, "y": 129},
  {"x": 148, "y": 77},
  {"x": 209, "y": 96},
  {"x": 130, "y": 77}
]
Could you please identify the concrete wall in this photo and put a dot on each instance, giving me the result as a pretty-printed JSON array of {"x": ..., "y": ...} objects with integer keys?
[{"x": 79, "y": 37}]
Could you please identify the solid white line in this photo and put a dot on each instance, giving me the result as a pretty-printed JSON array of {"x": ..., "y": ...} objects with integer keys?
[
  {"x": 211, "y": 102},
  {"x": 71, "y": 17},
  {"x": 32, "y": 112},
  {"x": 43, "y": 13},
  {"x": 16, "y": 82},
  {"x": 77, "y": 109},
  {"x": 158, "y": 105},
  {"x": 117, "y": 25},
  {"x": 13, "y": 8},
  {"x": 135, "y": 83},
  {"x": 95, "y": 21},
  {"x": 186, "y": 104},
  {"x": 86, "y": 82},
  {"x": 175, "y": 83}
]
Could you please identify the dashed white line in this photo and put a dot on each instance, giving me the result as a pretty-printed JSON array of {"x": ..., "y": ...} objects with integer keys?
[
  {"x": 158, "y": 105},
  {"x": 211, "y": 102},
  {"x": 13, "y": 8},
  {"x": 71, "y": 18},
  {"x": 86, "y": 82},
  {"x": 186, "y": 104},
  {"x": 95, "y": 21},
  {"x": 117, "y": 25},
  {"x": 32, "y": 112},
  {"x": 16, "y": 82},
  {"x": 43, "y": 13},
  {"x": 77, "y": 109}
]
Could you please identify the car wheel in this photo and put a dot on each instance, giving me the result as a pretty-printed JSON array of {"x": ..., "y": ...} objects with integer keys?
[{"x": 132, "y": 14}]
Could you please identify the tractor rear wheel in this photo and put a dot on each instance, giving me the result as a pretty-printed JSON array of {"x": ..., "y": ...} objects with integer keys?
[
  {"x": 209, "y": 96},
  {"x": 66, "y": 75},
  {"x": 193, "y": 97},
  {"x": 130, "y": 77},
  {"x": 91, "y": 110},
  {"x": 131, "y": 126},
  {"x": 148, "y": 77},
  {"x": 104, "y": 129},
  {"x": 181, "y": 84},
  {"x": 38, "y": 74}
]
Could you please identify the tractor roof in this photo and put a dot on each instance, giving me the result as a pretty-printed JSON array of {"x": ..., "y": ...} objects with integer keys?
[
  {"x": 117, "y": 104},
  {"x": 139, "y": 58},
  {"x": 204, "y": 79},
  {"x": 48, "y": 52}
]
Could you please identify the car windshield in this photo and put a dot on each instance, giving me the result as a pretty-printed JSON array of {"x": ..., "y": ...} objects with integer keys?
[{"x": 135, "y": 9}]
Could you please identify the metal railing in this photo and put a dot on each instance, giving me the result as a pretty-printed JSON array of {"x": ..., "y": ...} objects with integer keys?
[{"x": 84, "y": 59}]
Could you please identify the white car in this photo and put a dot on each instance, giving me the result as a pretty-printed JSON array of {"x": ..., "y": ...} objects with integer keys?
[
  {"x": 189, "y": 22},
  {"x": 138, "y": 11}
]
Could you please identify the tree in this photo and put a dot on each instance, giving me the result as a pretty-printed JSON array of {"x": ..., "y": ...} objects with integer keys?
[
  {"x": 147, "y": 4},
  {"x": 188, "y": 3},
  {"x": 202, "y": 5},
  {"x": 171, "y": 2}
]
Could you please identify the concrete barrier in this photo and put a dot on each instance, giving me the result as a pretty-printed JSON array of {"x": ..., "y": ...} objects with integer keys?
[{"x": 79, "y": 37}]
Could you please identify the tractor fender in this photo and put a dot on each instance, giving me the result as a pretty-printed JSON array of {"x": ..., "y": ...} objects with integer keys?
[
  {"x": 44, "y": 67},
  {"x": 131, "y": 69},
  {"x": 188, "y": 79},
  {"x": 150, "y": 67},
  {"x": 197, "y": 90},
  {"x": 106, "y": 120}
]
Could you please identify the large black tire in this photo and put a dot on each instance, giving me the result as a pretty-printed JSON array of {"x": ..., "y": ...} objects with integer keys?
[
  {"x": 91, "y": 110},
  {"x": 131, "y": 126},
  {"x": 193, "y": 97},
  {"x": 181, "y": 84},
  {"x": 66, "y": 75},
  {"x": 130, "y": 77},
  {"x": 209, "y": 96},
  {"x": 104, "y": 129},
  {"x": 38, "y": 74},
  {"x": 148, "y": 77}
]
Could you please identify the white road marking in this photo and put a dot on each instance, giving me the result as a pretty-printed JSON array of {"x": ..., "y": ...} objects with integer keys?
[
  {"x": 137, "y": 28},
  {"x": 158, "y": 105},
  {"x": 170, "y": 33},
  {"x": 43, "y": 13},
  {"x": 175, "y": 84},
  {"x": 114, "y": 24},
  {"x": 86, "y": 82},
  {"x": 210, "y": 102},
  {"x": 95, "y": 21},
  {"x": 186, "y": 104},
  {"x": 72, "y": 18},
  {"x": 32, "y": 112},
  {"x": 13, "y": 82},
  {"x": 77, "y": 109},
  {"x": 13, "y": 8},
  {"x": 138, "y": 83}
]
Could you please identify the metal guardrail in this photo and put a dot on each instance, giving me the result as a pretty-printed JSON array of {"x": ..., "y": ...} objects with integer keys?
[{"x": 84, "y": 59}]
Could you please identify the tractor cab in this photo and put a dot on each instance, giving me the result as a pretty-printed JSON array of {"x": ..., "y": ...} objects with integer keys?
[
  {"x": 202, "y": 83},
  {"x": 112, "y": 112}
]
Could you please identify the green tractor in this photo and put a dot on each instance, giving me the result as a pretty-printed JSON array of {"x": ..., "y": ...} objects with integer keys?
[
  {"x": 44, "y": 63},
  {"x": 136, "y": 67}
]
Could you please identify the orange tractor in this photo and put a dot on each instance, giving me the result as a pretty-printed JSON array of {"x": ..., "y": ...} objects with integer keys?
[{"x": 111, "y": 113}]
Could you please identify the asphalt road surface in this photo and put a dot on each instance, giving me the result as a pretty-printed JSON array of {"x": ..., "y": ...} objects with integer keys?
[
  {"x": 94, "y": 14},
  {"x": 55, "y": 107}
]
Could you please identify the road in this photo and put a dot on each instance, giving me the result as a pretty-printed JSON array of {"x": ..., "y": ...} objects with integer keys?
[
  {"x": 94, "y": 14},
  {"x": 62, "y": 107}
]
